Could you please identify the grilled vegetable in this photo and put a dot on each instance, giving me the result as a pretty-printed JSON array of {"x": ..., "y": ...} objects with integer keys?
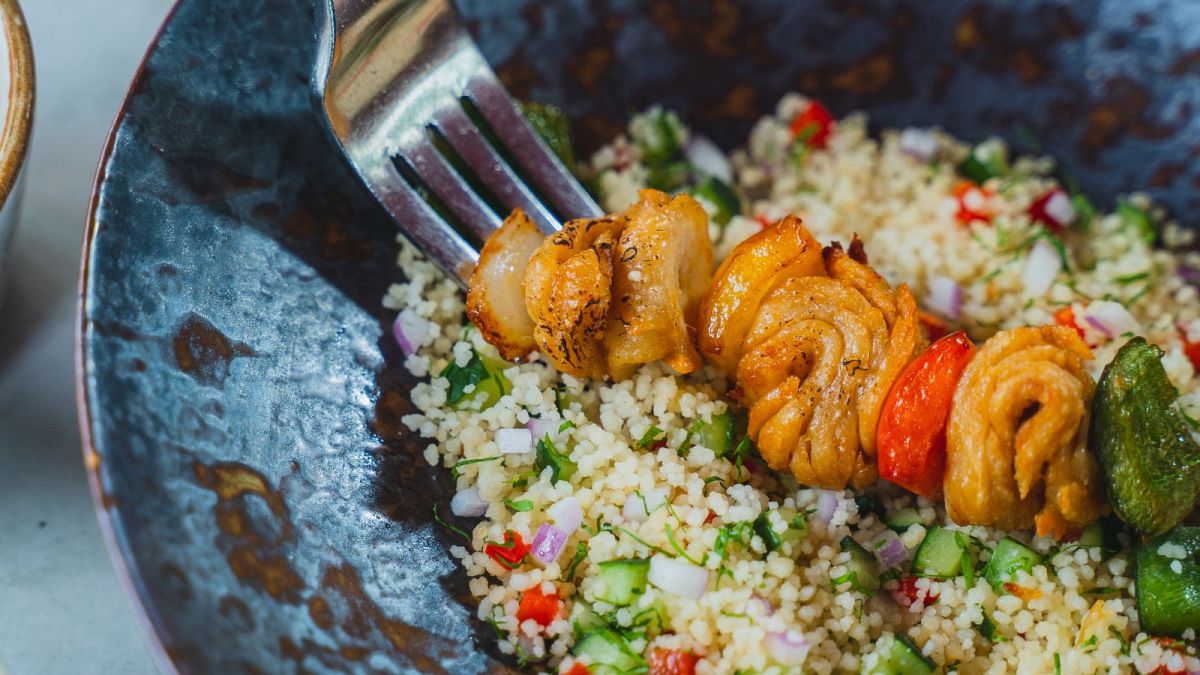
[
  {"x": 1168, "y": 586},
  {"x": 1150, "y": 462}
]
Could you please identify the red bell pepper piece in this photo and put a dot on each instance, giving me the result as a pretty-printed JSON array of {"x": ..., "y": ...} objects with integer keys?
[
  {"x": 537, "y": 605},
  {"x": 1066, "y": 317},
  {"x": 813, "y": 125},
  {"x": 911, "y": 436},
  {"x": 672, "y": 662},
  {"x": 511, "y": 552},
  {"x": 908, "y": 594},
  {"x": 577, "y": 669},
  {"x": 973, "y": 202}
]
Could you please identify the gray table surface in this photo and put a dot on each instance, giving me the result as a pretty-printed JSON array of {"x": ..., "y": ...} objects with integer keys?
[{"x": 61, "y": 608}]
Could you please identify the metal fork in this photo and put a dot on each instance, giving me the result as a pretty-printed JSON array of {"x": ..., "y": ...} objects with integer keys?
[{"x": 393, "y": 75}]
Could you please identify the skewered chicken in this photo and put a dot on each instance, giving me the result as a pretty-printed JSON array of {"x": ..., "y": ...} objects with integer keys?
[{"x": 1016, "y": 442}]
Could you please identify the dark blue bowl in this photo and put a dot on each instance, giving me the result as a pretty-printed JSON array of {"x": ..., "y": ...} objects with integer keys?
[{"x": 239, "y": 400}]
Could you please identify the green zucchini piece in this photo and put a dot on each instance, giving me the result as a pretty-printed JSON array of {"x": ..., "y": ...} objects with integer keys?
[
  {"x": 1150, "y": 462},
  {"x": 1010, "y": 557},
  {"x": 942, "y": 554},
  {"x": 722, "y": 197},
  {"x": 863, "y": 568},
  {"x": 606, "y": 647},
  {"x": 901, "y": 657},
  {"x": 1169, "y": 600},
  {"x": 551, "y": 125},
  {"x": 620, "y": 582}
]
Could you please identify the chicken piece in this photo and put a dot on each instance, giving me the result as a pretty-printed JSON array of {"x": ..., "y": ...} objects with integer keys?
[
  {"x": 818, "y": 361},
  {"x": 496, "y": 299},
  {"x": 1016, "y": 447},
  {"x": 662, "y": 267},
  {"x": 753, "y": 269},
  {"x": 568, "y": 288}
]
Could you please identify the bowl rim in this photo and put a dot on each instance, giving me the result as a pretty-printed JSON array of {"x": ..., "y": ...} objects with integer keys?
[
  {"x": 111, "y": 531},
  {"x": 18, "y": 116}
]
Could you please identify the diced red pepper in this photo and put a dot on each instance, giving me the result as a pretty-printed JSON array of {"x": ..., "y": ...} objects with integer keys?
[
  {"x": 672, "y": 662},
  {"x": 813, "y": 124},
  {"x": 763, "y": 221},
  {"x": 974, "y": 202},
  {"x": 911, "y": 434},
  {"x": 1164, "y": 670},
  {"x": 935, "y": 328},
  {"x": 710, "y": 517},
  {"x": 511, "y": 552},
  {"x": 658, "y": 445},
  {"x": 540, "y": 606},
  {"x": 1066, "y": 317},
  {"x": 908, "y": 594},
  {"x": 577, "y": 669},
  {"x": 1190, "y": 349}
]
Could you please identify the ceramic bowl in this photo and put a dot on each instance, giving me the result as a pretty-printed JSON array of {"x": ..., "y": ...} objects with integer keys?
[
  {"x": 16, "y": 102},
  {"x": 239, "y": 398}
]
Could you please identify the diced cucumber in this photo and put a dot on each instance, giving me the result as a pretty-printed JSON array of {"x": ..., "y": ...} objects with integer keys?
[
  {"x": 903, "y": 519},
  {"x": 606, "y": 647},
  {"x": 942, "y": 554},
  {"x": 1139, "y": 220},
  {"x": 716, "y": 434},
  {"x": 1168, "y": 588},
  {"x": 722, "y": 198},
  {"x": 1010, "y": 557},
  {"x": 863, "y": 569},
  {"x": 1102, "y": 534},
  {"x": 986, "y": 160},
  {"x": 620, "y": 582},
  {"x": 584, "y": 618},
  {"x": 901, "y": 657},
  {"x": 652, "y": 618},
  {"x": 797, "y": 528},
  {"x": 868, "y": 504}
]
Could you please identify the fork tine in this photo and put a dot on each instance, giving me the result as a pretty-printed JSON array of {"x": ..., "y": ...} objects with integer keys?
[
  {"x": 536, "y": 160},
  {"x": 468, "y": 141},
  {"x": 451, "y": 189},
  {"x": 421, "y": 224}
]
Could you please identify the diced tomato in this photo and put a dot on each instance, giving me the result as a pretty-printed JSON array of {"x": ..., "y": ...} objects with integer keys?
[
  {"x": 537, "y": 605},
  {"x": 935, "y": 328},
  {"x": 672, "y": 662},
  {"x": 763, "y": 220},
  {"x": 813, "y": 124},
  {"x": 577, "y": 669},
  {"x": 974, "y": 202},
  {"x": 911, "y": 436},
  {"x": 908, "y": 594},
  {"x": 1066, "y": 317},
  {"x": 658, "y": 445},
  {"x": 511, "y": 552},
  {"x": 1164, "y": 670},
  {"x": 711, "y": 517}
]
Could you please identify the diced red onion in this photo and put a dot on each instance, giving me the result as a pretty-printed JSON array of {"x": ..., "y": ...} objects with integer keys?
[
  {"x": 541, "y": 427},
  {"x": 514, "y": 441},
  {"x": 707, "y": 158},
  {"x": 920, "y": 144},
  {"x": 788, "y": 648},
  {"x": 409, "y": 330},
  {"x": 767, "y": 608},
  {"x": 468, "y": 504},
  {"x": 567, "y": 514},
  {"x": 893, "y": 553},
  {"x": 944, "y": 297},
  {"x": 1059, "y": 209},
  {"x": 1109, "y": 318},
  {"x": 827, "y": 501},
  {"x": 634, "y": 511},
  {"x": 678, "y": 577},
  {"x": 1190, "y": 275},
  {"x": 548, "y": 543},
  {"x": 1042, "y": 266}
]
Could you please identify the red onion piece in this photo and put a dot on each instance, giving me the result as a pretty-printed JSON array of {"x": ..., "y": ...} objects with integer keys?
[
  {"x": 541, "y": 427},
  {"x": 920, "y": 144},
  {"x": 788, "y": 648},
  {"x": 944, "y": 297},
  {"x": 893, "y": 553},
  {"x": 678, "y": 577},
  {"x": 1110, "y": 319},
  {"x": 707, "y": 158},
  {"x": 827, "y": 501},
  {"x": 1190, "y": 275},
  {"x": 514, "y": 441},
  {"x": 409, "y": 330},
  {"x": 1042, "y": 266},
  {"x": 567, "y": 514},
  {"x": 767, "y": 608},
  {"x": 1098, "y": 325},
  {"x": 468, "y": 504},
  {"x": 548, "y": 543}
]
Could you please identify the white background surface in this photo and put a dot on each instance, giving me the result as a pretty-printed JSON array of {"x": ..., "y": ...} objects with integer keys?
[{"x": 61, "y": 610}]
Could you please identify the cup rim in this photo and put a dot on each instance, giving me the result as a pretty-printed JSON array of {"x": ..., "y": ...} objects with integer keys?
[{"x": 18, "y": 116}]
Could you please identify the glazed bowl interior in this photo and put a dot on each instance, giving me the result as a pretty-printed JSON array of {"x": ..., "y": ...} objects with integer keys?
[{"x": 240, "y": 401}]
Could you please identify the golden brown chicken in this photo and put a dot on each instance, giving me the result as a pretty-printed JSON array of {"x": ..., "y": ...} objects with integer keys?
[
  {"x": 1016, "y": 447},
  {"x": 663, "y": 263},
  {"x": 496, "y": 301},
  {"x": 752, "y": 270},
  {"x": 568, "y": 288}
]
